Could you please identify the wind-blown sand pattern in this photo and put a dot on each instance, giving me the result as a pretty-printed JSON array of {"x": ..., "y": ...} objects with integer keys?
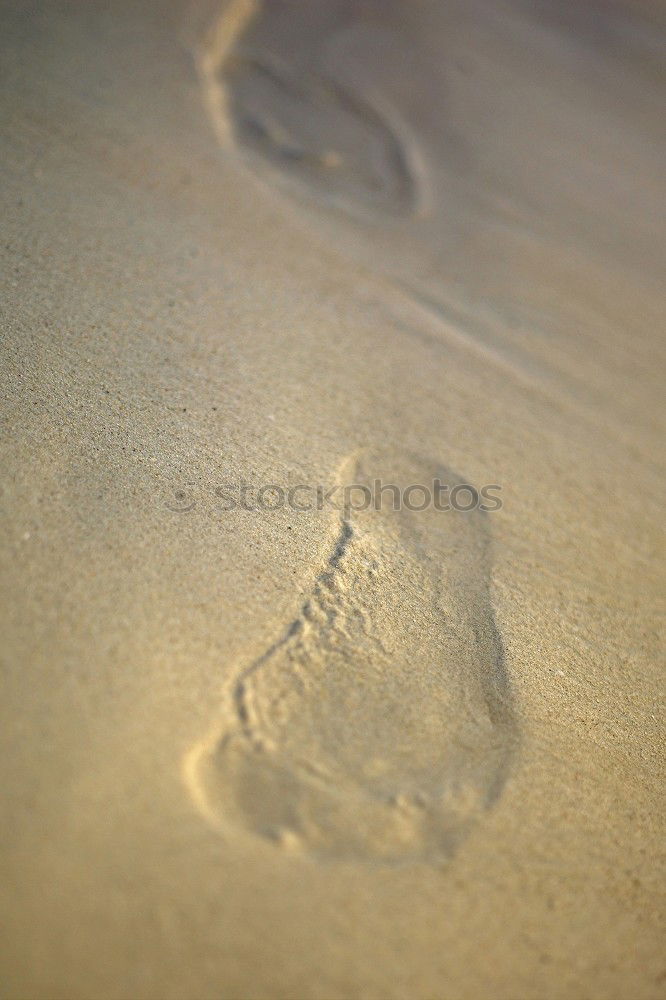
[
  {"x": 379, "y": 726},
  {"x": 291, "y": 87}
]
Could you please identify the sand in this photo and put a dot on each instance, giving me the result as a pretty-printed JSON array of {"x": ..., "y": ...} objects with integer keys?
[{"x": 321, "y": 753}]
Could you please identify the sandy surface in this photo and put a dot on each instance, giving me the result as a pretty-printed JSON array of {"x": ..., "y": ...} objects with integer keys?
[{"x": 297, "y": 753}]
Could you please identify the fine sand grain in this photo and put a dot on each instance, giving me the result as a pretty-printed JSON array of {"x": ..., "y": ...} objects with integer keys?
[{"x": 292, "y": 750}]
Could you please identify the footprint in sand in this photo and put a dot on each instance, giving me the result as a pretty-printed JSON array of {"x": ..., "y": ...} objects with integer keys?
[
  {"x": 379, "y": 725},
  {"x": 302, "y": 124}
]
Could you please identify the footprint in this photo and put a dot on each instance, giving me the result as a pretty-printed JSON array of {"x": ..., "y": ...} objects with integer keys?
[
  {"x": 305, "y": 126},
  {"x": 379, "y": 726}
]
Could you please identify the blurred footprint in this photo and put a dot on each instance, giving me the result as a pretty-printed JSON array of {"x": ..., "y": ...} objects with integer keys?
[{"x": 300, "y": 124}]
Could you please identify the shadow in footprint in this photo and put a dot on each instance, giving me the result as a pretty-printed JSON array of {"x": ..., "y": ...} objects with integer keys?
[
  {"x": 308, "y": 126},
  {"x": 379, "y": 726}
]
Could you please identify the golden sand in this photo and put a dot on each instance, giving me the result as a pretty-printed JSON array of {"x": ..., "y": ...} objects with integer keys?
[{"x": 319, "y": 753}]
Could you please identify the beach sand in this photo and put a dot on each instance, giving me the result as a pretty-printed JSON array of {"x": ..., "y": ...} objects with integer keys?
[{"x": 324, "y": 753}]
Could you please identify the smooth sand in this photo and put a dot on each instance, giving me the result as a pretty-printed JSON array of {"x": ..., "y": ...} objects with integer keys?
[{"x": 283, "y": 754}]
